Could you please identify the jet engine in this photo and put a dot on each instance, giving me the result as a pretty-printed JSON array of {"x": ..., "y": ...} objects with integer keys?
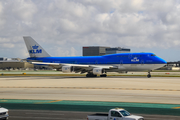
[
  {"x": 98, "y": 71},
  {"x": 67, "y": 69}
]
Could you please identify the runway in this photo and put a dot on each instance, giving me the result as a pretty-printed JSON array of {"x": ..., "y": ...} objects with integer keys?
[{"x": 116, "y": 89}]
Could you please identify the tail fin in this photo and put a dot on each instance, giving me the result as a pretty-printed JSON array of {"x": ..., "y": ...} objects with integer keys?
[{"x": 34, "y": 49}]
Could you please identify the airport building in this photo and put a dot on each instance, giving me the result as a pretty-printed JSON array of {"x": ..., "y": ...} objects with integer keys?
[
  {"x": 173, "y": 65},
  {"x": 117, "y": 50},
  {"x": 14, "y": 63},
  {"x": 101, "y": 50},
  {"x": 94, "y": 50}
]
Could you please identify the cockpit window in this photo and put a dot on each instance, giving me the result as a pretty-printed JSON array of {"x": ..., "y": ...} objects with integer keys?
[{"x": 153, "y": 55}]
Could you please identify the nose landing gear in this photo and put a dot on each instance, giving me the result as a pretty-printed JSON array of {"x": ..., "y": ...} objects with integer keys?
[{"x": 149, "y": 74}]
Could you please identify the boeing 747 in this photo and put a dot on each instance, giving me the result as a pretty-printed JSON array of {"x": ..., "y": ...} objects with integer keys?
[{"x": 94, "y": 65}]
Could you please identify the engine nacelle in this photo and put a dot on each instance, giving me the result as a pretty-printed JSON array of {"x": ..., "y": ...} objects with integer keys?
[
  {"x": 67, "y": 69},
  {"x": 98, "y": 71}
]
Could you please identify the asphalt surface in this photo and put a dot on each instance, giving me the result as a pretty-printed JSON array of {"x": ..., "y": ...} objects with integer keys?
[
  {"x": 69, "y": 115},
  {"x": 117, "y": 89}
]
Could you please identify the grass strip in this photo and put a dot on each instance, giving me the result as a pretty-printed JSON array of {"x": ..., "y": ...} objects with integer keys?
[{"x": 91, "y": 106}]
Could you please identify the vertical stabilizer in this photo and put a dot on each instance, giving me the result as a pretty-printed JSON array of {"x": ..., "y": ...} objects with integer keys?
[{"x": 34, "y": 49}]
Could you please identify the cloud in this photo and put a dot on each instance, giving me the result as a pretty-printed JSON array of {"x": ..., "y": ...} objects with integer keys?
[{"x": 67, "y": 25}]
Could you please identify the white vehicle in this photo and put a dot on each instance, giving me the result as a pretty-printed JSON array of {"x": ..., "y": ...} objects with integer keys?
[
  {"x": 3, "y": 113},
  {"x": 115, "y": 114}
]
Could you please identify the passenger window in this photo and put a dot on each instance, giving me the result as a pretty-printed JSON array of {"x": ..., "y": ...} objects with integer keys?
[{"x": 115, "y": 114}]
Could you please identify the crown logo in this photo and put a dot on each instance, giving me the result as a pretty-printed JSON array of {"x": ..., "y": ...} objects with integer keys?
[{"x": 35, "y": 47}]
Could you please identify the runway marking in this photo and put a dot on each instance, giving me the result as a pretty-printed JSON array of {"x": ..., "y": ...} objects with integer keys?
[
  {"x": 176, "y": 108},
  {"x": 3, "y": 100},
  {"x": 48, "y": 102},
  {"x": 93, "y": 88}
]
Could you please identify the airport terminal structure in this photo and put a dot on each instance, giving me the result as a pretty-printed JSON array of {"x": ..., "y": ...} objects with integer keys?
[
  {"x": 100, "y": 50},
  {"x": 14, "y": 63}
]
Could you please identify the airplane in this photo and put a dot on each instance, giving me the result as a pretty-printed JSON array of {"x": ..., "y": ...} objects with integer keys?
[{"x": 94, "y": 65}]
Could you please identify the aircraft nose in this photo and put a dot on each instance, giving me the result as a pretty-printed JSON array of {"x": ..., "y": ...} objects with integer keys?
[{"x": 162, "y": 61}]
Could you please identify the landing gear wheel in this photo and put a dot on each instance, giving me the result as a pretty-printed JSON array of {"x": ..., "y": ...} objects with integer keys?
[
  {"x": 149, "y": 75},
  {"x": 94, "y": 75},
  {"x": 91, "y": 75},
  {"x": 104, "y": 75}
]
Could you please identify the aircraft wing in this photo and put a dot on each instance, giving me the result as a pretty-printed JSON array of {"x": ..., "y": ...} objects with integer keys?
[
  {"x": 74, "y": 65},
  {"x": 44, "y": 63},
  {"x": 59, "y": 64},
  {"x": 102, "y": 66}
]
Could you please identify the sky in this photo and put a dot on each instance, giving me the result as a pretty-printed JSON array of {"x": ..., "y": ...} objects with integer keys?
[{"x": 63, "y": 27}]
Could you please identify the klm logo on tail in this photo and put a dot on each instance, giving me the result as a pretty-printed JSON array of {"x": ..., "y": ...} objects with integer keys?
[{"x": 35, "y": 50}]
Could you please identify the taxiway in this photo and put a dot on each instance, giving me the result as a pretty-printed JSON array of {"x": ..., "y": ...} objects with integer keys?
[{"x": 117, "y": 89}]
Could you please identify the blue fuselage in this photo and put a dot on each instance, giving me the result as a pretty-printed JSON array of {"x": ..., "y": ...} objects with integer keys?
[{"x": 120, "y": 58}]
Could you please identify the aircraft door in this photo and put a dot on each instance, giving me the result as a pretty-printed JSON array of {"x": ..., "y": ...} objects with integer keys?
[
  {"x": 121, "y": 62},
  {"x": 142, "y": 62},
  {"x": 130, "y": 56},
  {"x": 120, "y": 66},
  {"x": 115, "y": 116}
]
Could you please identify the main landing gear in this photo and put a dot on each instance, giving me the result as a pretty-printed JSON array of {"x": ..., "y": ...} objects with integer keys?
[
  {"x": 103, "y": 75},
  {"x": 92, "y": 75},
  {"x": 149, "y": 74}
]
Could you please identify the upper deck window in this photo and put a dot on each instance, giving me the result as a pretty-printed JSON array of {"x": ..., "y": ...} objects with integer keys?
[
  {"x": 153, "y": 55},
  {"x": 136, "y": 55},
  {"x": 122, "y": 56}
]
